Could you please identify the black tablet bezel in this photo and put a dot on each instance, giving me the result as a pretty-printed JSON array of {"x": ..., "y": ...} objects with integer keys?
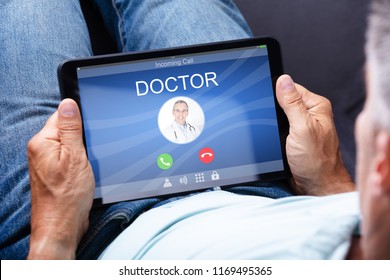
[{"x": 68, "y": 82}]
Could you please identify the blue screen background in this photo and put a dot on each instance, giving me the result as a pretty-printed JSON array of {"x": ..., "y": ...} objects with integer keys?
[{"x": 123, "y": 138}]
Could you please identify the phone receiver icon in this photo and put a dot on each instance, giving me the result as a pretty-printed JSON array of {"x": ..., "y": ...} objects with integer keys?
[
  {"x": 206, "y": 154},
  {"x": 165, "y": 163}
]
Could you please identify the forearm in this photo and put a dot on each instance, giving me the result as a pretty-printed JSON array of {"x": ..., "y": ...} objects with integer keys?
[
  {"x": 337, "y": 180},
  {"x": 56, "y": 230}
]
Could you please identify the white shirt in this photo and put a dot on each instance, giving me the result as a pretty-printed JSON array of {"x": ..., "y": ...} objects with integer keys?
[
  {"x": 222, "y": 225},
  {"x": 181, "y": 134}
]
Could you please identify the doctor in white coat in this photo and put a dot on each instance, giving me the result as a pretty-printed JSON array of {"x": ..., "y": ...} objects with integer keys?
[{"x": 181, "y": 131}]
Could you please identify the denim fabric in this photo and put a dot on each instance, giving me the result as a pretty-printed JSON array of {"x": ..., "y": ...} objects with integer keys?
[
  {"x": 35, "y": 37},
  {"x": 144, "y": 25},
  {"x": 276, "y": 189}
]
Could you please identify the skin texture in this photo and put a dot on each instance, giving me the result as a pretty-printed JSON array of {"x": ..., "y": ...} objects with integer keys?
[
  {"x": 373, "y": 181},
  {"x": 62, "y": 186},
  {"x": 180, "y": 113},
  {"x": 312, "y": 145}
]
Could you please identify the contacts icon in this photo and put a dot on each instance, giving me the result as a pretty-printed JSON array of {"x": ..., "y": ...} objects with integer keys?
[{"x": 181, "y": 120}]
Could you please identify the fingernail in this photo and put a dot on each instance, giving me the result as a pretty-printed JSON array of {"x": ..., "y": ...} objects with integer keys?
[
  {"x": 68, "y": 109},
  {"x": 286, "y": 83}
]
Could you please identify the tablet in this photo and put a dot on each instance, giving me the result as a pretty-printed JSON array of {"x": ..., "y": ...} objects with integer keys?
[{"x": 180, "y": 120}]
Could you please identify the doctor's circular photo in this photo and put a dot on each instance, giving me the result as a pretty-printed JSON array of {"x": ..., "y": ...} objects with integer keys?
[{"x": 181, "y": 120}]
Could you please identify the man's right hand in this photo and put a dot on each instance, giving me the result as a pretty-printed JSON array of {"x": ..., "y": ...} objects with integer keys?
[{"x": 312, "y": 144}]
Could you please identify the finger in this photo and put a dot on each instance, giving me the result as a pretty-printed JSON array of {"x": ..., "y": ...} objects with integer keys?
[
  {"x": 290, "y": 99},
  {"x": 50, "y": 130},
  {"x": 52, "y": 122},
  {"x": 69, "y": 124},
  {"x": 48, "y": 134},
  {"x": 319, "y": 103}
]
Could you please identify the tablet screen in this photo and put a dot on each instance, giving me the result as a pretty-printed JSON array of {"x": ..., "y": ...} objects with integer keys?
[{"x": 164, "y": 125}]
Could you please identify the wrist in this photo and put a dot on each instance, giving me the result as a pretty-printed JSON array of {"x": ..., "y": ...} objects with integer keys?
[
  {"x": 337, "y": 179},
  {"x": 52, "y": 242},
  {"x": 48, "y": 248},
  {"x": 324, "y": 181}
]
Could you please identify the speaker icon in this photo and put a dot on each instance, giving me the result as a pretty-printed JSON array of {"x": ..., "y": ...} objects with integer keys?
[{"x": 184, "y": 180}]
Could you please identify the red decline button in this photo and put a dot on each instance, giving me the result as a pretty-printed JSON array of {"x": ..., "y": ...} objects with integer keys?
[{"x": 206, "y": 155}]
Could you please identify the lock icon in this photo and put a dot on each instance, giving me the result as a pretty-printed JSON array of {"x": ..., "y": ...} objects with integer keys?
[{"x": 215, "y": 176}]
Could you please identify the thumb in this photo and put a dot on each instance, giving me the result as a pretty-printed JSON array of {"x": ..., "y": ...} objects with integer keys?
[
  {"x": 69, "y": 124},
  {"x": 290, "y": 99}
]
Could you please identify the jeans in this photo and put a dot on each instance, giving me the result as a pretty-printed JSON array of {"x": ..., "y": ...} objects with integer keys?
[{"x": 35, "y": 36}]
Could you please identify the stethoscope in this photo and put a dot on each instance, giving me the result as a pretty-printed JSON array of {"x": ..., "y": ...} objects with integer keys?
[{"x": 190, "y": 128}]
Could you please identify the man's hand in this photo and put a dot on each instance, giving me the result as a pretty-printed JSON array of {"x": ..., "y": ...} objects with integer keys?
[
  {"x": 312, "y": 145},
  {"x": 62, "y": 185}
]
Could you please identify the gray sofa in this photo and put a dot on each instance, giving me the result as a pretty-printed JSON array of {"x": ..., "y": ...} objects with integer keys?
[{"x": 323, "y": 48}]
